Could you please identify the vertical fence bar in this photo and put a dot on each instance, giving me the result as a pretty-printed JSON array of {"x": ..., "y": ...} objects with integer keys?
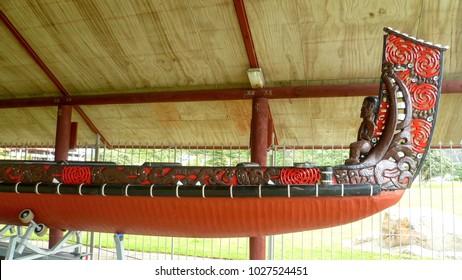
[
  {"x": 442, "y": 175},
  {"x": 92, "y": 234},
  {"x": 431, "y": 203},
  {"x": 172, "y": 248},
  {"x": 453, "y": 203}
]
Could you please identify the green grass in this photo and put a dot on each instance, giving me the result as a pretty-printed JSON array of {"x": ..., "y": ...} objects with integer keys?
[
  {"x": 224, "y": 248},
  {"x": 315, "y": 245},
  {"x": 444, "y": 196}
]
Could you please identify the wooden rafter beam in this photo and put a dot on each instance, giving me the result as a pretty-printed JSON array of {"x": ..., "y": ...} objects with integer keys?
[
  {"x": 320, "y": 91},
  {"x": 47, "y": 71},
  {"x": 454, "y": 86},
  {"x": 22, "y": 41},
  {"x": 246, "y": 34}
]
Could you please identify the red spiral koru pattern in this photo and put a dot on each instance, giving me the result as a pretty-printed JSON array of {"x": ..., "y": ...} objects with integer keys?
[
  {"x": 300, "y": 176},
  {"x": 420, "y": 130},
  {"x": 76, "y": 175},
  {"x": 427, "y": 64},
  {"x": 404, "y": 76},
  {"x": 400, "y": 51},
  {"x": 423, "y": 96}
]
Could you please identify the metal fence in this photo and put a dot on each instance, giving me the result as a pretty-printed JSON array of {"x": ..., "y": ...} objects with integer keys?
[{"x": 425, "y": 224}]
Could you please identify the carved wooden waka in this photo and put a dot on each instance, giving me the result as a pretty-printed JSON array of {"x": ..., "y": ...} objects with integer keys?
[{"x": 246, "y": 200}]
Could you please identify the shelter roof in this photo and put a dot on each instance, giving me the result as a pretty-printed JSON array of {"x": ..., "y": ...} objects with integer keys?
[{"x": 181, "y": 67}]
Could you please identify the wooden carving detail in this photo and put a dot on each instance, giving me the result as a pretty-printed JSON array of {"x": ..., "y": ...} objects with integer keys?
[
  {"x": 411, "y": 76},
  {"x": 355, "y": 176},
  {"x": 364, "y": 143},
  {"x": 299, "y": 176},
  {"x": 191, "y": 176},
  {"x": 76, "y": 175},
  {"x": 110, "y": 174},
  {"x": 26, "y": 173}
]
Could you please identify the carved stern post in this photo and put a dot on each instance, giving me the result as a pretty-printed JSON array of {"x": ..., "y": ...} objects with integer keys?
[{"x": 410, "y": 89}]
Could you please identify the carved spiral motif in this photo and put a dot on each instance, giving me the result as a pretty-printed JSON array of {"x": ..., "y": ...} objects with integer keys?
[
  {"x": 300, "y": 175},
  {"x": 427, "y": 63},
  {"x": 424, "y": 96},
  {"x": 400, "y": 51},
  {"x": 11, "y": 174},
  {"x": 76, "y": 175},
  {"x": 420, "y": 130},
  {"x": 404, "y": 75}
]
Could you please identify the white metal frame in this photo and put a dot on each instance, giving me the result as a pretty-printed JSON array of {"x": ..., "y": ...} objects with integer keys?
[{"x": 20, "y": 247}]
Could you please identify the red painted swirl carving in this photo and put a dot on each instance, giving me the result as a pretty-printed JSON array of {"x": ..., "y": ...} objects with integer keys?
[
  {"x": 423, "y": 96},
  {"x": 427, "y": 64},
  {"x": 300, "y": 176},
  {"x": 420, "y": 130},
  {"x": 76, "y": 175},
  {"x": 404, "y": 76},
  {"x": 400, "y": 51}
]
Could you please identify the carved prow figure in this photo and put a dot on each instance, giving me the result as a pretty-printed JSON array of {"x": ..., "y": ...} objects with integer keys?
[
  {"x": 366, "y": 131},
  {"x": 378, "y": 147},
  {"x": 410, "y": 88}
]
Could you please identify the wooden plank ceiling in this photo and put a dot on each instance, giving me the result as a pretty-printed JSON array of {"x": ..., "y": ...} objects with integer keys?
[{"x": 306, "y": 48}]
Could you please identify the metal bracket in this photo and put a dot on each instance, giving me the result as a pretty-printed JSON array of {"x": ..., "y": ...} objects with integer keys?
[{"x": 21, "y": 248}]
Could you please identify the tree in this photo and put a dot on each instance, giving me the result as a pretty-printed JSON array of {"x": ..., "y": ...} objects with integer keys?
[
  {"x": 457, "y": 171},
  {"x": 436, "y": 164}
]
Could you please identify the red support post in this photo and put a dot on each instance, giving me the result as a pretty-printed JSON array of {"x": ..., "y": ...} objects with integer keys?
[
  {"x": 63, "y": 137},
  {"x": 258, "y": 150},
  {"x": 73, "y": 135},
  {"x": 259, "y": 131}
]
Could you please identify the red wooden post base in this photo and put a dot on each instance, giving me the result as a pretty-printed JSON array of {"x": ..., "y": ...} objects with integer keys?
[
  {"x": 259, "y": 146},
  {"x": 257, "y": 248},
  {"x": 63, "y": 136}
]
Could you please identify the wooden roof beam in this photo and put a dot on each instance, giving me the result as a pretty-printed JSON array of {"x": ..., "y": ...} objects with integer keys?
[
  {"x": 246, "y": 34},
  {"x": 320, "y": 91},
  {"x": 47, "y": 71}
]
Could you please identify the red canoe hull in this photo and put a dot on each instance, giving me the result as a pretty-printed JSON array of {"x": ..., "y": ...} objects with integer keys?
[{"x": 193, "y": 217}]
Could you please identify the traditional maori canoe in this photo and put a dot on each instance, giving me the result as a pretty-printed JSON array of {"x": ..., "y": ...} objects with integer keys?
[{"x": 245, "y": 200}]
